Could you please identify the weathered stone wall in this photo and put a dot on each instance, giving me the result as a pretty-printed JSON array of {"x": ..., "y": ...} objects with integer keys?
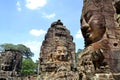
[
  {"x": 10, "y": 64},
  {"x": 100, "y": 28},
  {"x": 57, "y": 55}
]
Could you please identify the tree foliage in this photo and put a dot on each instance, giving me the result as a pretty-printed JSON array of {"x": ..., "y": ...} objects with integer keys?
[
  {"x": 28, "y": 66},
  {"x": 20, "y": 47}
]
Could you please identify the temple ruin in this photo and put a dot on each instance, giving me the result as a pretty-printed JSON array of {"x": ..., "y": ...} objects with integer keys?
[
  {"x": 57, "y": 55},
  {"x": 99, "y": 60},
  {"x": 10, "y": 65}
]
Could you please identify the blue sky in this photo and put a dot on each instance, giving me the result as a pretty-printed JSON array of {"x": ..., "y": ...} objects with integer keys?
[{"x": 27, "y": 21}]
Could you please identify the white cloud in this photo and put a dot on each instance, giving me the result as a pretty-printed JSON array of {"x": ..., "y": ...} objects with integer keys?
[
  {"x": 79, "y": 34},
  {"x": 34, "y": 47},
  {"x": 49, "y": 16},
  {"x": 18, "y": 6},
  {"x": 35, "y": 4},
  {"x": 36, "y": 32}
]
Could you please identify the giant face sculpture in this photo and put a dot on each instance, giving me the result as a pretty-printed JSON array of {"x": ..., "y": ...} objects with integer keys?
[
  {"x": 93, "y": 27},
  {"x": 62, "y": 54}
]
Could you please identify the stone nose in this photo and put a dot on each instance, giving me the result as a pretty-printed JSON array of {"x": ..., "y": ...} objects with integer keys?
[
  {"x": 62, "y": 53},
  {"x": 85, "y": 25}
]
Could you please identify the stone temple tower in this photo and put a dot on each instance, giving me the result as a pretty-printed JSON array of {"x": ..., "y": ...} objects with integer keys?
[{"x": 57, "y": 54}]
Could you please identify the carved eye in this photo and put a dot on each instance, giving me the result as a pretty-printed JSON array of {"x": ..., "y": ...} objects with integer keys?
[
  {"x": 88, "y": 15},
  {"x": 59, "y": 51}
]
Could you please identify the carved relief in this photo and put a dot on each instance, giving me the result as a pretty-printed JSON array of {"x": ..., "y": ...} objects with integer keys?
[
  {"x": 93, "y": 27},
  {"x": 102, "y": 45},
  {"x": 61, "y": 54}
]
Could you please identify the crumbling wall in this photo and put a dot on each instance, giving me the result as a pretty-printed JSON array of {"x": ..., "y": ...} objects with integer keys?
[{"x": 10, "y": 64}]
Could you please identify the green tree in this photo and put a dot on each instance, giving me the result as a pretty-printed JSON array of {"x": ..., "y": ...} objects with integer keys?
[
  {"x": 8, "y": 46},
  {"x": 24, "y": 50},
  {"x": 28, "y": 67}
]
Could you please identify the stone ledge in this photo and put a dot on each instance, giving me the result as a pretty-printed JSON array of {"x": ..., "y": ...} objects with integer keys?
[{"x": 106, "y": 76}]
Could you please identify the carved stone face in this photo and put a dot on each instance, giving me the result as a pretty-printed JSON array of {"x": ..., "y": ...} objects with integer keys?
[
  {"x": 88, "y": 65},
  {"x": 62, "y": 54},
  {"x": 93, "y": 27},
  {"x": 61, "y": 50}
]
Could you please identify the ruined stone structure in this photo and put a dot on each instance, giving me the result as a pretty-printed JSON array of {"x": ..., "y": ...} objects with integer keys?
[
  {"x": 10, "y": 65},
  {"x": 100, "y": 60},
  {"x": 57, "y": 54}
]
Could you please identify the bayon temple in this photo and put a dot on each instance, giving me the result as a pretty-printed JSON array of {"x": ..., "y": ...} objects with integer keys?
[{"x": 99, "y": 60}]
